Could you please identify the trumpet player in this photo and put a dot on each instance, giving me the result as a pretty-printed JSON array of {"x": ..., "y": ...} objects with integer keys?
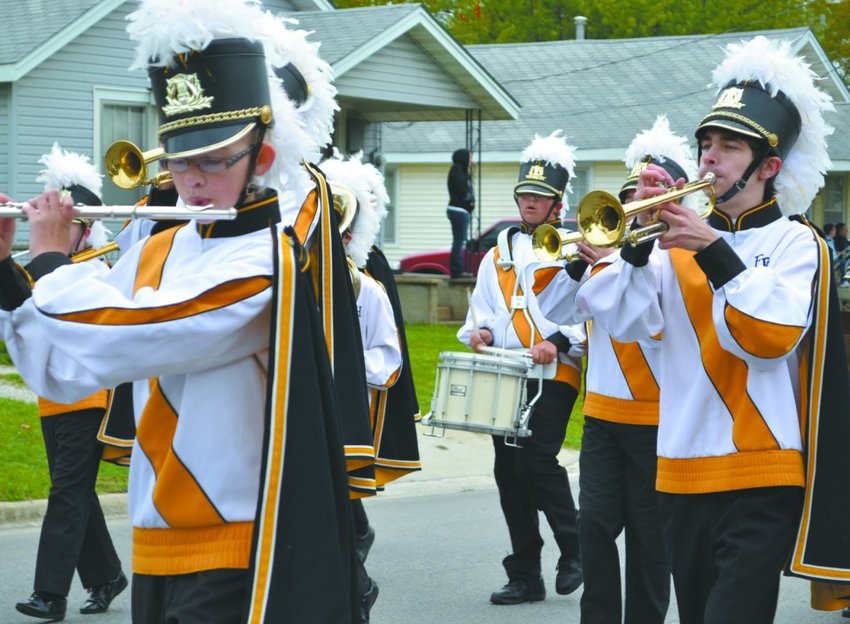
[
  {"x": 74, "y": 534},
  {"x": 514, "y": 314},
  {"x": 741, "y": 301}
]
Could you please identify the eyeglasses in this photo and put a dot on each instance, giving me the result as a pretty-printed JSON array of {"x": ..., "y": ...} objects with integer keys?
[{"x": 206, "y": 164}]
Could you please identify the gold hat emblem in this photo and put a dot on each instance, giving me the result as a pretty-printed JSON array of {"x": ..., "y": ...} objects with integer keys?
[
  {"x": 536, "y": 172},
  {"x": 184, "y": 94},
  {"x": 639, "y": 166},
  {"x": 730, "y": 98}
]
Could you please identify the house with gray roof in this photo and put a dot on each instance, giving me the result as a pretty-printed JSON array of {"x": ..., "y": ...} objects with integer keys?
[
  {"x": 601, "y": 93},
  {"x": 64, "y": 77}
]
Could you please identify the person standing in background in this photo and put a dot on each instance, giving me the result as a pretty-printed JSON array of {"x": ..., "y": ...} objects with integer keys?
[{"x": 461, "y": 205}]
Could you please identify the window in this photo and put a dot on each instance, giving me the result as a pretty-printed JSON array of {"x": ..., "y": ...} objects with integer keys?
[
  {"x": 389, "y": 228},
  {"x": 581, "y": 186},
  {"x": 128, "y": 115},
  {"x": 833, "y": 199}
]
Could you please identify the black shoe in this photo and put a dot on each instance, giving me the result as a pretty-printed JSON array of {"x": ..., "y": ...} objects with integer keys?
[
  {"x": 367, "y": 600},
  {"x": 52, "y": 609},
  {"x": 518, "y": 591},
  {"x": 362, "y": 543},
  {"x": 845, "y": 612},
  {"x": 101, "y": 596},
  {"x": 569, "y": 577}
]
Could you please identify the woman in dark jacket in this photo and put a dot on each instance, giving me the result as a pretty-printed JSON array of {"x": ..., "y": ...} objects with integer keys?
[{"x": 461, "y": 205}]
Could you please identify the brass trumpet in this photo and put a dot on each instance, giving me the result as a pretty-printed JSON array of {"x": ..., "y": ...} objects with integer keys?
[
  {"x": 127, "y": 165},
  {"x": 14, "y": 210},
  {"x": 603, "y": 220},
  {"x": 91, "y": 252},
  {"x": 549, "y": 244}
]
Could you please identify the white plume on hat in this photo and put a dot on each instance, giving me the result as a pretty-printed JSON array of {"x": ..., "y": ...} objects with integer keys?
[
  {"x": 164, "y": 29},
  {"x": 291, "y": 46},
  {"x": 367, "y": 184},
  {"x": 99, "y": 236},
  {"x": 660, "y": 143},
  {"x": 772, "y": 64},
  {"x": 555, "y": 150},
  {"x": 64, "y": 169}
]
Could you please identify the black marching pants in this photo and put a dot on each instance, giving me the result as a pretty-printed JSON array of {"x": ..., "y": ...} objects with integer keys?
[
  {"x": 73, "y": 533},
  {"x": 200, "y": 598},
  {"x": 531, "y": 479},
  {"x": 616, "y": 492},
  {"x": 728, "y": 549}
]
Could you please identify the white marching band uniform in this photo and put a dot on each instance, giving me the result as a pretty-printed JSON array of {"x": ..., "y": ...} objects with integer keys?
[
  {"x": 381, "y": 348},
  {"x": 219, "y": 288},
  {"x": 734, "y": 365},
  {"x": 542, "y": 301}
]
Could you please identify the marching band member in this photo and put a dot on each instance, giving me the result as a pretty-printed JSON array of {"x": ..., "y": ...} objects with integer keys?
[
  {"x": 743, "y": 301},
  {"x": 514, "y": 315},
  {"x": 74, "y": 534},
  {"x": 263, "y": 532},
  {"x": 307, "y": 81},
  {"x": 618, "y": 449},
  {"x": 360, "y": 223}
]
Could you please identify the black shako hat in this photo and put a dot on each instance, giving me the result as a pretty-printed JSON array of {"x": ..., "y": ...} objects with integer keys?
[
  {"x": 539, "y": 177},
  {"x": 668, "y": 164},
  {"x": 210, "y": 98},
  {"x": 747, "y": 108}
]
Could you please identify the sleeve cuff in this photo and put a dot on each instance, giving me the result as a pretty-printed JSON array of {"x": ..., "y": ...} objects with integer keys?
[
  {"x": 46, "y": 263},
  {"x": 576, "y": 269},
  {"x": 637, "y": 255},
  {"x": 14, "y": 285},
  {"x": 719, "y": 263},
  {"x": 559, "y": 340}
]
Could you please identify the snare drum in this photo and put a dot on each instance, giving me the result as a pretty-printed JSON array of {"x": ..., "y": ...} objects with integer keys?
[{"x": 483, "y": 393}]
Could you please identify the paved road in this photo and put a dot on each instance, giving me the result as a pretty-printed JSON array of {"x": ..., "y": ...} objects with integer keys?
[{"x": 436, "y": 559}]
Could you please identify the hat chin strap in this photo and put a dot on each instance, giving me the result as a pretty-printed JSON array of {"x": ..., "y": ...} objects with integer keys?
[
  {"x": 742, "y": 182},
  {"x": 252, "y": 166}
]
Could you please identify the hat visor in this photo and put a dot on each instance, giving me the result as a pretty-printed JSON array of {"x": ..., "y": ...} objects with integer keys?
[
  {"x": 533, "y": 189},
  {"x": 629, "y": 185},
  {"x": 206, "y": 139},
  {"x": 729, "y": 125}
]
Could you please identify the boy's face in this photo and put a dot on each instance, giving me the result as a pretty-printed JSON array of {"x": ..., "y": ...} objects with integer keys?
[
  {"x": 534, "y": 209},
  {"x": 726, "y": 155},
  {"x": 77, "y": 236},
  {"x": 197, "y": 186}
]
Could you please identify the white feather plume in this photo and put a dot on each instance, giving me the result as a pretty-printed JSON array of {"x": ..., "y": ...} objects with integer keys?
[
  {"x": 554, "y": 150},
  {"x": 99, "y": 235},
  {"x": 288, "y": 45},
  {"x": 367, "y": 184},
  {"x": 772, "y": 64},
  {"x": 63, "y": 169},
  {"x": 164, "y": 29},
  {"x": 660, "y": 143}
]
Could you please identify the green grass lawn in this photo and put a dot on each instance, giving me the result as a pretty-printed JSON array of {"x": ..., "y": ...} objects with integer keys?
[
  {"x": 23, "y": 463},
  {"x": 427, "y": 341}
]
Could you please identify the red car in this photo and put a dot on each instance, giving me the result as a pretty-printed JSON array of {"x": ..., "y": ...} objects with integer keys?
[{"x": 437, "y": 262}]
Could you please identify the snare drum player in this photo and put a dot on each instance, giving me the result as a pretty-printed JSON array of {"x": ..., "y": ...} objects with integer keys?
[
  {"x": 743, "y": 301},
  {"x": 238, "y": 495},
  {"x": 74, "y": 534},
  {"x": 512, "y": 314}
]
